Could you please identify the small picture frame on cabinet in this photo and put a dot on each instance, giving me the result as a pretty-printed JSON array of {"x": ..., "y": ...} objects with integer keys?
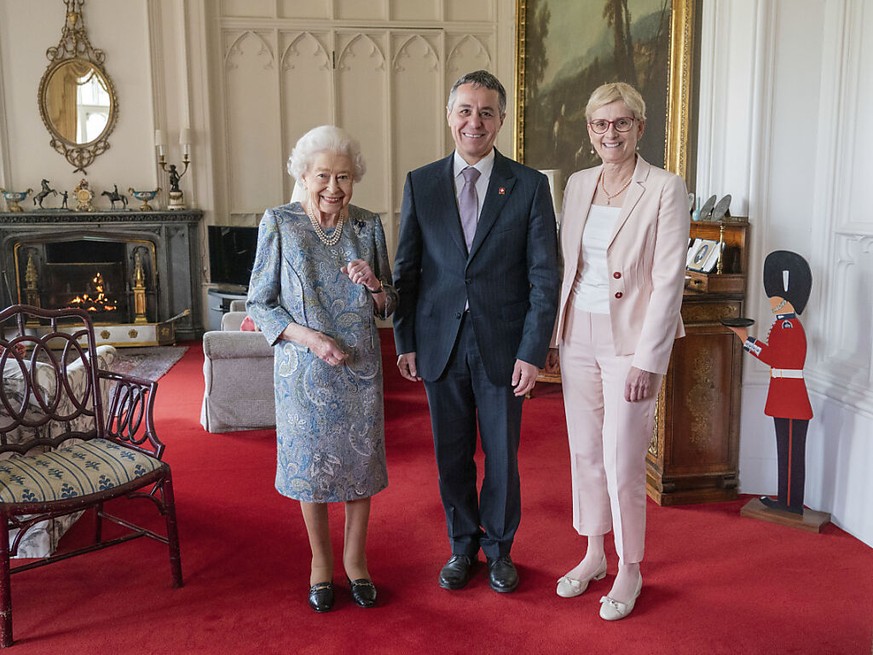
[
  {"x": 703, "y": 255},
  {"x": 709, "y": 266},
  {"x": 693, "y": 245}
]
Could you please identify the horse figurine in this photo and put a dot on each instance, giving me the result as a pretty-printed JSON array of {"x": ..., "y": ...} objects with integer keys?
[
  {"x": 46, "y": 190},
  {"x": 115, "y": 196}
]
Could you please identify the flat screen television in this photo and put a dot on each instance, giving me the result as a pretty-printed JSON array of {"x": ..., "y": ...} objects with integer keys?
[{"x": 232, "y": 254}]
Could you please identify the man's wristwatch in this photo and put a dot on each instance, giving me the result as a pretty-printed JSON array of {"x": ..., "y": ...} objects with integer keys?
[{"x": 375, "y": 292}]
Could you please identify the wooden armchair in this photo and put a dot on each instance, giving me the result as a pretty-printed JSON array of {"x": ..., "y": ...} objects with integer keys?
[{"x": 61, "y": 451}]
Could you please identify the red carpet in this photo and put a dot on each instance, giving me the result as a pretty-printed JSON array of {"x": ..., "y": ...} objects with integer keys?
[{"x": 713, "y": 582}]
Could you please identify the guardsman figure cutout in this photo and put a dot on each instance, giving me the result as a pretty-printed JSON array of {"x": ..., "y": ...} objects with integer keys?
[{"x": 787, "y": 282}]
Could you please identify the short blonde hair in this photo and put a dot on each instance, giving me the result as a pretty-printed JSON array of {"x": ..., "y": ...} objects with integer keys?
[
  {"x": 606, "y": 94},
  {"x": 326, "y": 138}
]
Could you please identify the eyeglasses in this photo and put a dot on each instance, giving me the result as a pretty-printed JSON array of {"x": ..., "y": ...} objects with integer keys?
[{"x": 601, "y": 125}]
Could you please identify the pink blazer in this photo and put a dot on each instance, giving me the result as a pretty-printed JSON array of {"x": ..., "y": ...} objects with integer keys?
[{"x": 646, "y": 260}]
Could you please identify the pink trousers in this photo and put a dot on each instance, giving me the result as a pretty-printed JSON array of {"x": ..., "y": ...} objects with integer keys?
[{"x": 608, "y": 436}]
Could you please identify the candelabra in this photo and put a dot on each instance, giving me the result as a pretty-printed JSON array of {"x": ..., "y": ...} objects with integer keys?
[{"x": 177, "y": 197}]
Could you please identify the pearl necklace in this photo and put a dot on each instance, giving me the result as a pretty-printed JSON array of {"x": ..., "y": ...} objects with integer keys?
[
  {"x": 334, "y": 238},
  {"x": 617, "y": 193}
]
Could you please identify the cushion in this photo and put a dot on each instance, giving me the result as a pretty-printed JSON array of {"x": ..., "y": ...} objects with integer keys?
[
  {"x": 248, "y": 325},
  {"x": 71, "y": 471}
]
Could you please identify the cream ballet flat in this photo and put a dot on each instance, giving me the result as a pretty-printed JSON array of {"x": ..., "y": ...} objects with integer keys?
[
  {"x": 613, "y": 610},
  {"x": 570, "y": 587}
]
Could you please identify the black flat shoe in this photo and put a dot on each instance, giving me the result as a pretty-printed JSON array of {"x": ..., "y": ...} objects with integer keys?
[
  {"x": 771, "y": 503},
  {"x": 321, "y": 596},
  {"x": 363, "y": 592},
  {"x": 502, "y": 574},
  {"x": 456, "y": 573}
]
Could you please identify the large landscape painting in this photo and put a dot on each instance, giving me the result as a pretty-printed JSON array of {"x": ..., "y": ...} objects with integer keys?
[{"x": 567, "y": 48}]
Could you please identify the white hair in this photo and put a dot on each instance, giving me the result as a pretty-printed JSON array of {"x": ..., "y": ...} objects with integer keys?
[{"x": 326, "y": 138}]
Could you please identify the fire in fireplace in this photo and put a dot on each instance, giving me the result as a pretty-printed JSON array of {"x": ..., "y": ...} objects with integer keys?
[{"x": 97, "y": 303}]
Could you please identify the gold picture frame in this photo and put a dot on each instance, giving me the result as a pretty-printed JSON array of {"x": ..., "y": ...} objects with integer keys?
[{"x": 551, "y": 93}]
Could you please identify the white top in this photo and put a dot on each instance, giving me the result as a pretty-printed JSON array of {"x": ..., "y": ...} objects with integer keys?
[{"x": 591, "y": 286}]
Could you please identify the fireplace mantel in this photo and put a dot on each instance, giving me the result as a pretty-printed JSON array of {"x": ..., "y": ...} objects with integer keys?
[{"x": 175, "y": 234}]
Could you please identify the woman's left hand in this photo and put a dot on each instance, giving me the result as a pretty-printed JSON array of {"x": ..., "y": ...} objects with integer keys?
[
  {"x": 360, "y": 272},
  {"x": 639, "y": 385}
]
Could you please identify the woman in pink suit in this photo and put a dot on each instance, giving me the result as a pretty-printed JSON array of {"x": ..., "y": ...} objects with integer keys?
[{"x": 624, "y": 237}]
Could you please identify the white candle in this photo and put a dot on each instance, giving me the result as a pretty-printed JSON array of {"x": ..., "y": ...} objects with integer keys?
[{"x": 159, "y": 142}]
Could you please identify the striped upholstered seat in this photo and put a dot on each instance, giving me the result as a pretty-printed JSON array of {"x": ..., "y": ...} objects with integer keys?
[{"x": 72, "y": 471}]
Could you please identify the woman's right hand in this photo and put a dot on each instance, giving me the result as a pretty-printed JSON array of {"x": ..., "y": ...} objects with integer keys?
[
  {"x": 327, "y": 350},
  {"x": 323, "y": 346}
]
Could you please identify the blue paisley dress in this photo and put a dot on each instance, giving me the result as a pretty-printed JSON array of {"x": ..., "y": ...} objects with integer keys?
[{"x": 330, "y": 425}]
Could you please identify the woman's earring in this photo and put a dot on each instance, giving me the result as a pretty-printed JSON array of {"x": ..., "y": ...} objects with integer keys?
[{"x": 592, "y": 150}]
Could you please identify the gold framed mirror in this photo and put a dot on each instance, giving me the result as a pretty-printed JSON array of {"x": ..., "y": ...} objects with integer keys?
[{"x": 77, "y": 100}]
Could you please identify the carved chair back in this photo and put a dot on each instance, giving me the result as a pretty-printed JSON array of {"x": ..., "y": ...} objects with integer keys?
[
  {"x": 61, "y": 450},
  {"x": 53, "y": 390}
]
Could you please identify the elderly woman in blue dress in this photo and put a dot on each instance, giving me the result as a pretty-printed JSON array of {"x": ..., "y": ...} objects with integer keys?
[{"x": 321, "y": 277}]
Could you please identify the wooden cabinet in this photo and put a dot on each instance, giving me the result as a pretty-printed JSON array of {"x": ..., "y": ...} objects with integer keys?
[{"x": 693, "y": 456}]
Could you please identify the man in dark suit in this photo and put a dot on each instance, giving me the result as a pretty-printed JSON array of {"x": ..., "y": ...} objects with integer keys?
[{"x": 476, "y": 271}]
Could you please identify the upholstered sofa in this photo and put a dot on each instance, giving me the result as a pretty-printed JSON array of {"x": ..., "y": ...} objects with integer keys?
[
  {"x": 238, "y": 376},
  {"x": 42, "y": 539}
]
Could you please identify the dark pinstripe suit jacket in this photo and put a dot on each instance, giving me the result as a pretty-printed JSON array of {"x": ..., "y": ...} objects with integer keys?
[{"x": 510, "y": 275}]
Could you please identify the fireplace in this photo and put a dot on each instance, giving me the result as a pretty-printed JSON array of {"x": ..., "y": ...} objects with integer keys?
[
  {"x": 125, "y": 268},
  {"x": 111, "y": 276}
]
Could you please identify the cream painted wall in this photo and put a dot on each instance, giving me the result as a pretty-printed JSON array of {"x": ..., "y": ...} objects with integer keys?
[
  {"x": 27, "y": 29},
  {"x": 156, "y": 57}
]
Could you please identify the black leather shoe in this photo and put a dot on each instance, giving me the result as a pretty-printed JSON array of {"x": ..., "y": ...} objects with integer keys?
[
  {"x": 502, "y": 574},
  {"x": 321, "y": 596},
  {"x": 363, "y": 592},
  {"x": 456, "y": 573}
]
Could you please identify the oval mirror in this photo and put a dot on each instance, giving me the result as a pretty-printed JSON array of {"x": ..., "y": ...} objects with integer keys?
[{"x": 77, "y": 102}]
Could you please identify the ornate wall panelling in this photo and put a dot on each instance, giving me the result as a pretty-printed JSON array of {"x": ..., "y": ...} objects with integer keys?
[
  {"x": 363, "y": 88},
  {"x": 417, "y": 109},
  {"x": 845, "y": 360},
  {"x": 842, "y": 366},
  {"x": 250, "y": 100},
  {"x": 379, "y": 68},
  {"x": 363, "y": 10},
  {"x": 307, "y": 86}
]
